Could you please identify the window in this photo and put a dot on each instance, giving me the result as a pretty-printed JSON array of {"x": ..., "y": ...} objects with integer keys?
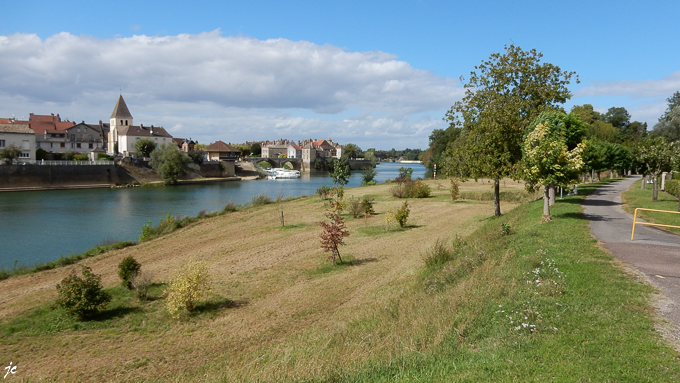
[
  {"x": 78, "y": 145},
  {"x": 91, "y": 146},
  {"x": 37, "y": 144},
  {"x": 25, "y": 145},
  {"x": 2, "y": 143},
  {"x": 51, "y": 144},
  {"x": 78, "y": 130},
  {"x": 73, "y": 137},
  {"x": 62, "y": 145},
  {"x": 125, "y": 122},
  {"x": 24, "y": 155}
]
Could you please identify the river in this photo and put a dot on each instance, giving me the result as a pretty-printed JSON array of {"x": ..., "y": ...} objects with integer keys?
[{"x": 41, "y": 226}]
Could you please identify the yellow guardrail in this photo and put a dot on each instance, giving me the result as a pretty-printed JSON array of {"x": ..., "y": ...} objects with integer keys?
[{"x": 632, "y": 234}]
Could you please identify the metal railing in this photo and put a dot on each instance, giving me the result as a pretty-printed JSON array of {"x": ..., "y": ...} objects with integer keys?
[
  {"x": 20, "y": 161},
  {"x": 632, "y": 234}
]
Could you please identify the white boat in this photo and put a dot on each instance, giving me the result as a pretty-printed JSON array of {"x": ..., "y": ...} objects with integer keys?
[{"x": 280, "y": 173}]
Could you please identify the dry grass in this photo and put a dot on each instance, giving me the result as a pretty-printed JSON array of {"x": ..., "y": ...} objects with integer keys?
[{"x": 287, "y": 319}]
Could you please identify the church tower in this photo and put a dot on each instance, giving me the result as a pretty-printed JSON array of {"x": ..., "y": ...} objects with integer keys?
[{"x": 120, "y": 119}]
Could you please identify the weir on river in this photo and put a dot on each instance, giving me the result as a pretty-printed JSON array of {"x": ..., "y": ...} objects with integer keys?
[{"x": 41, "y": 226}]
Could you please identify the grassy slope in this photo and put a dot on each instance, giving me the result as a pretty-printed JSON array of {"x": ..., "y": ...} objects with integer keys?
[
  {"x": 279, "y": 315},
  {"x": 642, "y": 198}
]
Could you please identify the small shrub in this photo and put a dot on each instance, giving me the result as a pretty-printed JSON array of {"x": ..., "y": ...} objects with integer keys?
[
  {"x": 141, "y": 283},
  {"x": 455, "y": 192},
  {"x": 333, "y": 233},
  {"x": 406, "y": 188},
  {"x": 401, "y": 216},
  {"x": 147, "y": 232},
  {"x": 355, "y": 207},
  {"x": 188, "y": 286},
  {"x": 367, "y": 206},
  {"x": 128, "y": 268},
  {"x": 80, "y": 157},
  {"x": 230, "y": 207},
  {"x": 390, "y": 221},
  {"x": 324, "y": 192},
  {"x": 505, "y": 229},
  {"x": 260, "y": 200},
  {"x": 438, "y": 254},
  {"x": 398, "y": 191},
  {"x": 201, "y": 214},
  {"x": 82, "y": 297}
]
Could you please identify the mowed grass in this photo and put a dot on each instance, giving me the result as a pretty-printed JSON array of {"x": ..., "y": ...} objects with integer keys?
[
  {"x": 542, "y": 304},
  {"x": 635, "y": 197}
]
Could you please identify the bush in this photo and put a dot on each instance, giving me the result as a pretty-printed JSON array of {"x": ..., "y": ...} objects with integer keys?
[
  {"x": 324, "y": 192},
  {"x": 188, "y": 286},
  {"x": 128, "y": 269},
  {"x": 356, "y": 207},
  {"x": 401, "y": 216},
  {"x": 169, "y": 162},
  {"x": 230, "y": 207},
  {"x": 455, "y": 192},
  {"x": 367, "y": 206},
  {"x": 82, "y": 297},
  {"x": 260, "y": 199},
  {"x": 141, "y": 283},
  {"x": 264, "y": 165},
  {"x": 104, "y": 156},
  {"x": 80, "y": 157},
  {"x": 672, "y": 187},
  {"x": 407, "y": 188},
  {"x": 506, "y": 229}
]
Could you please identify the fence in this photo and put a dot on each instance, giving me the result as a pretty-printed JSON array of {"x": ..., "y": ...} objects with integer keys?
[
  {"x": 44, "y": 162},
  {"x": 632, "y": 234}
]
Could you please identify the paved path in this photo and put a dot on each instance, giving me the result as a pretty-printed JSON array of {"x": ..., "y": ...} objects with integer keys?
[{"x": 654, "y": 252}]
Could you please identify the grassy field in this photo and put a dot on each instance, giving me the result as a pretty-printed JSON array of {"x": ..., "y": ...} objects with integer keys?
[
  {"x": 642, "y": 198},
  {"x": 448, "y": 298}
]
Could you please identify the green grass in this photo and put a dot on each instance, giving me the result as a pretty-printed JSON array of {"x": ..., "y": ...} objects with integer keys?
[
  {"x": 642, "y": 198},
  {"x": 592, "y": 321}
]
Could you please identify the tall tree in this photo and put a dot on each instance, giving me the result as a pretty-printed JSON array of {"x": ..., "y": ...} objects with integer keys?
[
  {"x": 502, "y": 97},
  {"x": 618, "y": 117},
  {"x": 658, "y": 156},
  {"x": 145, "y": 146},
  {"x": 10, "y": 153},
  {"x": 351, "y": 151},
  {"x": 547, "y": 158},
  {"x": 169, "y": 162},
  {"x": 669, "y": 123}
]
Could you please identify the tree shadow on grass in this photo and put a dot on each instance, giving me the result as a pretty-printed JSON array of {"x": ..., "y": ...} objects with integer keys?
[
  {"x": 114, "y": 313},
  {"x": 359, "y": 262},
  {"x": 218, "y": 304}
]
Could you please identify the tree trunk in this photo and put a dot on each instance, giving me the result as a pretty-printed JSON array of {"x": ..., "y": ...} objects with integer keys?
[
  {"x": 551, "y": 193},
  {"x": 655, "y": 189},
  {"x": 642, "y": 184},
  {"x": 497, "y": 197},
  {"x": 546, "y": 202}
]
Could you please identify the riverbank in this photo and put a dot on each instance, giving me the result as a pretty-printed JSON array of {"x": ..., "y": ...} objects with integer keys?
[{"x": 447, "y": 298}]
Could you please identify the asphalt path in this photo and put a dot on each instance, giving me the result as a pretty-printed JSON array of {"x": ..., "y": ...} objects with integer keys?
[{"x": 654, "y": 252}]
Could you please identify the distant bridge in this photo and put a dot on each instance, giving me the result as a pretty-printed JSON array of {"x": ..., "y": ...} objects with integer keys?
[{"x": 276, "y": 162}]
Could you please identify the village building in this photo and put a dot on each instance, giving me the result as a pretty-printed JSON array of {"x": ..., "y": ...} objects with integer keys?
[
  {"x": 219, "y": 151},
  {"x": 185, "y": 145},
  {"x": 294, "y": 151},
  {"x": 19, "y": 135},
  {"x": 123, "y": 134}
]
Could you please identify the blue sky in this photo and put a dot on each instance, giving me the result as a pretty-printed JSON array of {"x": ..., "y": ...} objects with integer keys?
[{"x": 379, "y": 74}]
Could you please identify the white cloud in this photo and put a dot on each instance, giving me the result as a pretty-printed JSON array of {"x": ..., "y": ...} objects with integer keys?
[{"x": 215, "y": 86}]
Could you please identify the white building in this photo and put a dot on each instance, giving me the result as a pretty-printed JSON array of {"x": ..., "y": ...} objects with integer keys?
[
  {"x": 123, "y": 134},
  {"x": 19, "y": 135}
]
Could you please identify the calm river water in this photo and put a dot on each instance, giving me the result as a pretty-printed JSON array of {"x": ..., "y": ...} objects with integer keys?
[{"x": 44, "y": 225}]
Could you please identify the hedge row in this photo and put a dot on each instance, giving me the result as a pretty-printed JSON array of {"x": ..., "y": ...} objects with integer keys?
[{"x": 672, "y": 187}]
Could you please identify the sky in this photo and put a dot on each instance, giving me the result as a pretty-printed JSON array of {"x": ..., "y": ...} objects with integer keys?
[{"x": 379, "y": 74}]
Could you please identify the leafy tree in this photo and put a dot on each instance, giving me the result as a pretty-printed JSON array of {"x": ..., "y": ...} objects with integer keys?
[
  {"x": 10, "y": 153},
  {"x": 128, "y": 269},
  {"x": 618, "y": 117},
  {"x": 82, "y": 297},
  {"x": 658, "y": 156},
  {"x": 669, "y": 123},
  {"x": 586, "y": 113},
  {"x": 547, "y": 159},
  {"x": 333, "y": 232},
  {"x": 369, "y": 155},
  {"x": 340, "y": 173},
  {"x": 439, "y": 141},
  {"x": 189, "y": 285},
  {"x": 169, "y": 162},
  {"x": 245, "y": 150},
  {"x": 351, "y": 151},
  {"x": 401, "y": 216},
  {"x": 144, "y": 146},
  {"x": 256, "y": 149},
  {"x": 197, "y": 156},
  {"x": 502, "y": 97},
  {"x": 368, "y": 176}
]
